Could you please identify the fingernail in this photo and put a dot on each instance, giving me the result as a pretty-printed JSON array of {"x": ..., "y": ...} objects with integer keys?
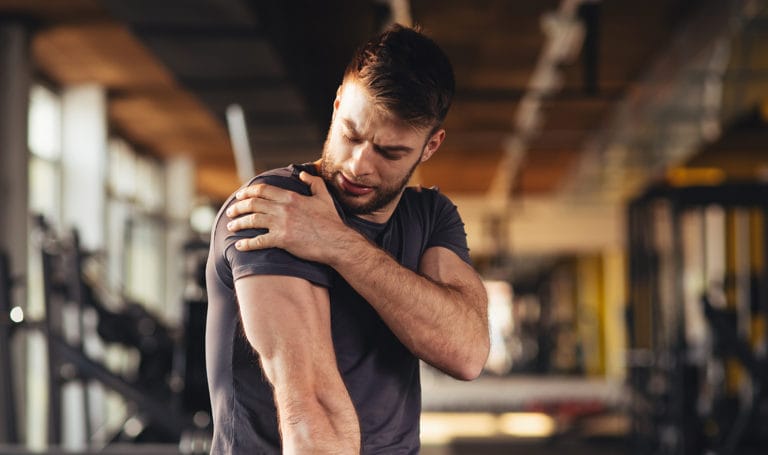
[
  {"x": 230, "y": 224},
  {"x": 239, "y": 244},
  {"x": 239, "y": 194}
]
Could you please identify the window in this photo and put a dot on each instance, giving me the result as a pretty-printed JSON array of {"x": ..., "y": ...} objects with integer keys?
[
  {"x": 136, "y": 225},
  {"x": 44, "y": 139}
]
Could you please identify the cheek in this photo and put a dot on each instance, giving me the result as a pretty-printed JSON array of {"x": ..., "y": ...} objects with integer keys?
[
  {"x": 393, "y": 173},
  {"x": 332, "y": 150},
  {"x": 339, "y": 147}
]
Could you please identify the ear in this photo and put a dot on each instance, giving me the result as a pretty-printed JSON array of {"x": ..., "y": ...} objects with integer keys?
[
  {"x": 433, "y": 143},
  {"x": 337, "y": 100}
]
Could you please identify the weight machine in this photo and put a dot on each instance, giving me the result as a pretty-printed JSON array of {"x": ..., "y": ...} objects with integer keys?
[
  {"x": 166, "y": 398},
  {"x": 697, "y": 315}
]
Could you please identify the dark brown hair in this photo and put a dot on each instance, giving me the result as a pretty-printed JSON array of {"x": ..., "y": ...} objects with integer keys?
[{"x": 407, "y": 74}]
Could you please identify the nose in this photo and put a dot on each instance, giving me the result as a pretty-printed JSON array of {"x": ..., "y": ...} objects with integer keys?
[{"x": 361, "y": 162}]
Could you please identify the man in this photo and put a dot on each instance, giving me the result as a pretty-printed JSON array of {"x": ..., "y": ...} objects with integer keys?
[{"x": 328, "y": 281}]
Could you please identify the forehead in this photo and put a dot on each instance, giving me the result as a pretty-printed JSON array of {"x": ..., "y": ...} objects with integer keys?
[{"x": 358, "y": 110}]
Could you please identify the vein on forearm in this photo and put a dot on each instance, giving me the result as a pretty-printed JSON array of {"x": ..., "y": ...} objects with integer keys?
[{"x": 424, "y": 313}]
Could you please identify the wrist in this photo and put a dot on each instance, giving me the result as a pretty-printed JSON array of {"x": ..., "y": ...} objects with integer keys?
[{"x": 348, "y": 247}]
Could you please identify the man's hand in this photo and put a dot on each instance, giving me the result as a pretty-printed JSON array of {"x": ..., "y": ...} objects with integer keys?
[{"x": 306, "y": 226}]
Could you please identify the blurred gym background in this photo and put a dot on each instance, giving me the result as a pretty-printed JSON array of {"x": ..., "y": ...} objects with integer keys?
[{"x": 609, "y": 158}]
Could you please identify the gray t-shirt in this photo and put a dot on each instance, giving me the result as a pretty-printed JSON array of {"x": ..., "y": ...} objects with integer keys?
[{"x": 381, "y": 375}]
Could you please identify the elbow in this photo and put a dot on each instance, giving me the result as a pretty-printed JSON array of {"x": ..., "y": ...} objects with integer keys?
[
  {"x": 474, "y": 363},
  {"x": 477, "y": 352},
  {"x": 310, "y": 423},
  {"x": 468, "y": 373}
]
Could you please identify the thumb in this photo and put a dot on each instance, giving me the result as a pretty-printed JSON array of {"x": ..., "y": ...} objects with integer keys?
[{"x": 316, "y": 184}]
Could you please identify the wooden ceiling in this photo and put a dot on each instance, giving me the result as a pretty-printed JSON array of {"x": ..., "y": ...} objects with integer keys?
[
  {"x": 79, "y": 42},
  {"x": 173, "y": 66}
]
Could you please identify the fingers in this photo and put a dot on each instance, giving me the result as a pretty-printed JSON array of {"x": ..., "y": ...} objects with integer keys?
[
  {"x": 310, "y": 180},
  {"x": 250, "y": 205},
  {"x": 316, "y": 183},
  {"x": 255, "y": 243},
  {"x": 263, "y": 191},
  {"x": 252, "y": 221}
]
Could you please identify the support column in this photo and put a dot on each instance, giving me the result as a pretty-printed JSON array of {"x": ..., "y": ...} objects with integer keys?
[
  {"x": 84, "y": 158},
  {"x": 14, "y": 100},
  {"x": 83, "y": 165},
  {"x": 179, "y": 196}
]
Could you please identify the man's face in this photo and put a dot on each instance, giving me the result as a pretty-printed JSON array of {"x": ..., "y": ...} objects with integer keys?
[{"x": 369, "y": 156}]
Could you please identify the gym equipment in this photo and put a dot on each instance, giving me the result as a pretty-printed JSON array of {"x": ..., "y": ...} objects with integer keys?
[
  {"x": 195, "y": 397},
  {"x": 8, "y": 430},
  {"x": 698, "y": 306},
  {"x": 159, "y": 414}
]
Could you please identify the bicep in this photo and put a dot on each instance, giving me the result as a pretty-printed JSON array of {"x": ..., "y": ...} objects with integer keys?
[{"x": 287, "y": 321}]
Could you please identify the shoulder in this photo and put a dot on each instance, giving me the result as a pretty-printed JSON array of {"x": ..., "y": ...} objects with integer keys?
[
  {"x": 432, "y": 207},
  {"x": 284, "y": 177},
  {"x": 420, "y": 194},
  {"x": 440, "y": 216},
  {"x": 430, "y": 200}
]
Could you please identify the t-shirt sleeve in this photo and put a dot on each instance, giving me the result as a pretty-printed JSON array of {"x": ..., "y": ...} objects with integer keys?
[
  {"x": 448, "y": 231},
  {"x": 272, "y": 261}
]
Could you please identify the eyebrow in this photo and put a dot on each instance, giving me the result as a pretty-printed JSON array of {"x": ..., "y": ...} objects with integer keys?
[{"x": 383, "y": 148}]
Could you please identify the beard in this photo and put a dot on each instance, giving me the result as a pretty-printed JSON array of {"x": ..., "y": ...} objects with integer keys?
[{"x": 381, "y": 196}]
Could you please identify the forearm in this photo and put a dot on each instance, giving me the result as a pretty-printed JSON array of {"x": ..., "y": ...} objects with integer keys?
[
  {"x": 445, "y": 325},
  {"x": 315, "y": 412},
  {"x": 322, "y": 422}
]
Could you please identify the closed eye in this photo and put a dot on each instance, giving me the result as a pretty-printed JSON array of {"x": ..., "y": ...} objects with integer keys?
[
  {"x": 352, "y": 139},
  {"x": 392, "y": 155}
]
